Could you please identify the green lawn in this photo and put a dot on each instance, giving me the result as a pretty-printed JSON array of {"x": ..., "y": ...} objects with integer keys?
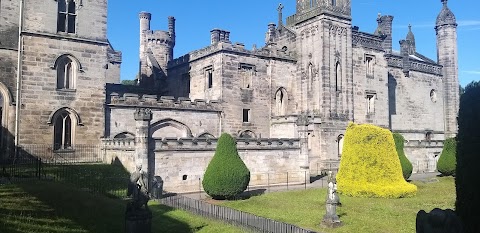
[
  {"x": 44, "y": 207},
  {"x": 306, "y": 208}
]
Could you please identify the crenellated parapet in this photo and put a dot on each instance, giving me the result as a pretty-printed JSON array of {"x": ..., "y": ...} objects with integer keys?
[
  {"x": 424, "y": 143},
  {"x": 126, "y": 144},
  {"x": 210, "y": 144},
  {"x": 367, "y": 40},
  {"x": 414, "y": 65},
  {"x": 162, "y": 102},
  {"x": 237, "y": 48},
  {"x": 159, "y": 37}
]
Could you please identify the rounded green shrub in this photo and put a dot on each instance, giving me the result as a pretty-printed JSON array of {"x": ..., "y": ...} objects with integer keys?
[
  {"x": 226, "y": 175},
  {"x": 407, "y": 167},
  {"x": 468, "y": 160},
  {"x": 447, "y": 162},
  {"x": 370, "y": 166}
]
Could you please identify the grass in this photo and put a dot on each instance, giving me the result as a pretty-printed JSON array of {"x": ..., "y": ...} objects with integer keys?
[
  {"x": 56, "y": 207},
  {"x": 306, "y": 208}
]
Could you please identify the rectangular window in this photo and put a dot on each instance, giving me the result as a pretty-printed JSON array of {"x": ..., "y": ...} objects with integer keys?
[
  {"x": 246, "y": 115},
  {"x": 247, "y": 72},
  {"x": 371, "y": 103},
  {"x": 209, "y": 77},
  {"x": 369, "y": 63}
]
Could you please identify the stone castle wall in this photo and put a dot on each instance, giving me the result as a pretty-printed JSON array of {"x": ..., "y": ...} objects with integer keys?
[{"x": 182, "y": 162}]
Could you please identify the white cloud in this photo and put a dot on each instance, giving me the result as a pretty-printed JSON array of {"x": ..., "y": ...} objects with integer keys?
[
  {"x": 474, "y": 72},
  {"x": 470, "y": 25}
]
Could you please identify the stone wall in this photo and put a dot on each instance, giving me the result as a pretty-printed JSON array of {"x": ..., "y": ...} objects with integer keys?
[
  {"x": 182, "y": 163},
  {"x": 91, "y": 23},
  {"x": 418, "y": 103},
  {"x": 171, "y": 118},
  {"x": 423, "y": 154},
  {"x": 120, "y": 151}
]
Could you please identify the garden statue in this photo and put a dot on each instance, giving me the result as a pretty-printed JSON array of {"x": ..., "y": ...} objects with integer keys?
[
  {"x": 331, "y": 218},
  {"x": 138, "y": 188},
  {"x": 157, "y": 187},
  {"x": 138, "y": 218}
]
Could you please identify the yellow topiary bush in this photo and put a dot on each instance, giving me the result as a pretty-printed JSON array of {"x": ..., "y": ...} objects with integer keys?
[{"x": 370, "y": 166}]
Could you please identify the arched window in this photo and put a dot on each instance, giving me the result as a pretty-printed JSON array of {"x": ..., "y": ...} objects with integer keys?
[
  {"x": 310, "y": 77},
  {"x": 63, "y": 136},
  {"x": 247, "y": 134},
  {"x": 338, "y": 77},
  {"x": 67, "y": 16},
  {"x": 66, "y": 72},
  {"x": 340, "y": 145},
  {"x": 280, "y": 102},
  {"x": 334, "y": 2}
]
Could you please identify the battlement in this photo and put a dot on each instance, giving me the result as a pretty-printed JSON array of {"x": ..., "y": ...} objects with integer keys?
[
  {"x": 159, "y": 37},
  {"x": 210, "y": 144},
  {"x": 126, "y": 144},
  {"x": 366, "y": 40},
  {"x": 237, "y": 48},
  {"x": 163, "y": 102},
  {"x": 414, "y": 65}
]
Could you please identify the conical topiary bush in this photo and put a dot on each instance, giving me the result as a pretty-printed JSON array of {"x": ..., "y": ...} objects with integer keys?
[
  {"x": 226, "y": 175},
  {"x": 370, "y": 166},
  {"x": 468, "y": 160},
  {"x": 407, "y": 167},
  {"x": 448, "y": 160}
]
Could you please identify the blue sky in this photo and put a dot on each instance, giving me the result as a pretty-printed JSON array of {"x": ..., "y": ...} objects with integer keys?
[{"x": 247, "y": 21}]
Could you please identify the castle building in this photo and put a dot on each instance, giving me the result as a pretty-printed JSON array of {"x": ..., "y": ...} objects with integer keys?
[
  {"x": 55, "y": 60},
  {"x": 288, "y": 102}
]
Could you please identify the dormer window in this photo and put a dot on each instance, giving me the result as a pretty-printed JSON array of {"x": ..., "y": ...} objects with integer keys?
[{"x": 67, "y": 16}]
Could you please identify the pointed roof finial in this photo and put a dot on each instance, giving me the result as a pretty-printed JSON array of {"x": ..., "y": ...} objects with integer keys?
[
  {"x": 444, "y": 2},
  {"x": 410, "y": 27},
  {"x": 280, "y": 14}
]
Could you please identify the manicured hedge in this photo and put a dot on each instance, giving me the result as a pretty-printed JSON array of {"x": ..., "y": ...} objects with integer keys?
[
  {"x": 447, "y": 162},
  {"x": 370, "y": 166},
  {"x": 226, "y": 175},
  {"x": 467, "y": 178},
  {"x": 407, "y": 167}
]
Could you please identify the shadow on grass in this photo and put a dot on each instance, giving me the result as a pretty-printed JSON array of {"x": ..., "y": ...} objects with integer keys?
[{"x": 55, "y": 207}]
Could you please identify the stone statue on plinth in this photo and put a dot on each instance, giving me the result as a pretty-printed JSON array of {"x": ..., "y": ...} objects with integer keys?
[
  {"x": 331, "y": 218},
  {"x": 138, "y": 217}
]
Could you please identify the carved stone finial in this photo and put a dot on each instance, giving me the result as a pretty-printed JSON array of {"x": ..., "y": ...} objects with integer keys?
[
  {"x": 143, "y": 114},
  {"x": 444, "y": 2},
  {"x": 280, "y": 14}
]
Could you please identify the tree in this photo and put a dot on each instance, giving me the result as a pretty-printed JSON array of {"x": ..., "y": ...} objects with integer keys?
[
  {"x": 467, "y": 177},
  {"x": 407, "y": 167},
  {"x": 129, "y": 82},
  {"x": 370, "y": 166},
  {"x": 226, "y": 175},
  {"x": 448, "y": 160}
]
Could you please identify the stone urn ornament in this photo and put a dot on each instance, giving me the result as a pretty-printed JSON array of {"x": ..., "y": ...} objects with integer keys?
[{"x": 331, "y": 219}]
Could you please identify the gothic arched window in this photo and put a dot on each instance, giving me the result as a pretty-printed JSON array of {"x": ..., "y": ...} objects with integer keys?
[
  {"x": 340, "y": 145},
  {"x": 338, "y": 77},
  {"x": 334, "y": 2},
  {"x": 66, "y": 72},
  {"x": 63, "y": 131},
  {"x": 67, "y": 16},
  {"x": 280, "y": 102}
]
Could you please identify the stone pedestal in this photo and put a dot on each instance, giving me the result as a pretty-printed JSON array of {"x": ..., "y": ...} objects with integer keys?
[
  {"x": 331, "y": 218},
  {"x": 138, "y": 221}
]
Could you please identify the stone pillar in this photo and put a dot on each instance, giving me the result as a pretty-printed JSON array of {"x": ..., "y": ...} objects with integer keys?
[
  {"x": 303, "y": 122},
  {"x": 143, "y": 116},
  {"x": 214, "y": 36}
]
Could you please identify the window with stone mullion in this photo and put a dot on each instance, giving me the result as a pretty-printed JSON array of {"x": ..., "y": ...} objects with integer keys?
[{"x": 66, "y": 16}]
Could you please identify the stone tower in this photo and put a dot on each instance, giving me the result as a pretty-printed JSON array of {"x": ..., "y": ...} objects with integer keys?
[
  {"x": 447, "y": 52},
  {"x": 156, "y": 50}
]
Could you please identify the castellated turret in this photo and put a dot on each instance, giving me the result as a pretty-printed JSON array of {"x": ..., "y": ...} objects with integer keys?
[
  {"x": 447, "y": 52},
  {"x": 156, "y": 50}
]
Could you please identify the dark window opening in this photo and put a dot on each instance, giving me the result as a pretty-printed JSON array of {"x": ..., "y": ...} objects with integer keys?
[
  {"x": 428, "y": 136},
  {"x": 63, "y": 132},
  {"x": 209, "y": 78},
  {"x": 184, "y": 177},
  {"x": 65, "y": 73},
  {"x": 66, "y": 16},
  {"x": 246, "y": 115}
]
